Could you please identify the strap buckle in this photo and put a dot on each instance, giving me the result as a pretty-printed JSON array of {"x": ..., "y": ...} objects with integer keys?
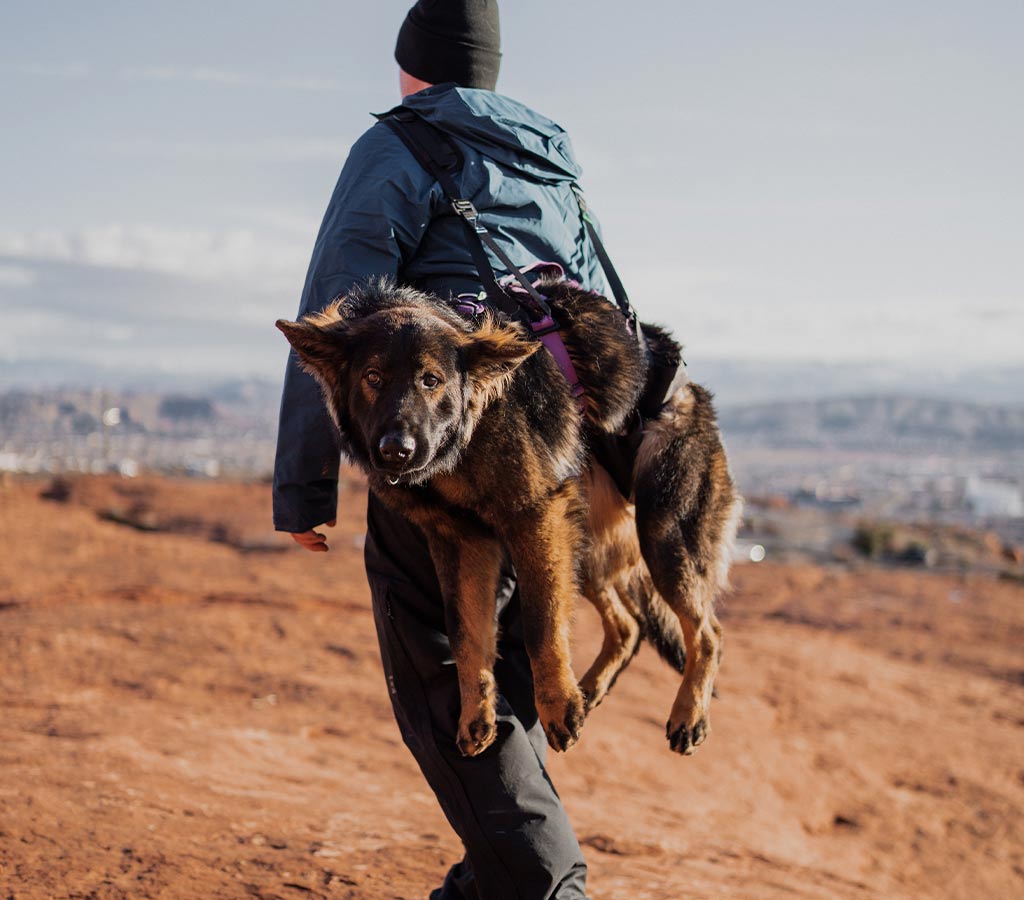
[
  {"x": 546, "y": 325},
  {"x": 581, "y": 201},
  {"x": 467, "y": 210}
]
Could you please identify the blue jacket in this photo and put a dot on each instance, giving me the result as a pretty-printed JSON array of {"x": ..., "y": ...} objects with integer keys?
[{"x": 387, "y": 216}]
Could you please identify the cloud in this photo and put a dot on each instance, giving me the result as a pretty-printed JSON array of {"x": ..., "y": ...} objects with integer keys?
[
  {"x": 174, "y": 73},
  {"x": 298, "y": 222},
  {"x": 140, "y": 321},
  {"x": 16, "y": 277},
  {"x": 73, "y": 71},
  {"x": 197, "y": 254},
  {"x": 185, "y": 74},
  {"x": 990, "y": 313},
  {"x": 216, "y": 75},
  {"x": 289, "y": 149},
  {"x": 795, "y": 315}
]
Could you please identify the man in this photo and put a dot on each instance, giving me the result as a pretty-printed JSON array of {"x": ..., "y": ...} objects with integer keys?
[{"x": 389, "y": 217}]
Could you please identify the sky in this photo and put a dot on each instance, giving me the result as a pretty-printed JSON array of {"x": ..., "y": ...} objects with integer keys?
[{"x": 838, "y": 184}]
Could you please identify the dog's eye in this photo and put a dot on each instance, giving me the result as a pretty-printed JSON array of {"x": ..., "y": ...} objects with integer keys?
[
  {"x": 431, "y": 381},
  {"x": 373, "y": 378}
]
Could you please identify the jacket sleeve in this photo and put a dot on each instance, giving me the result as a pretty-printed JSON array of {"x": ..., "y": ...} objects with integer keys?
[{"x": 376, "y": 218}]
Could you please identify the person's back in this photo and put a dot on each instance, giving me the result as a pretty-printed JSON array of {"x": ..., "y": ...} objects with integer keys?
[{"x": 389, "y": 217}]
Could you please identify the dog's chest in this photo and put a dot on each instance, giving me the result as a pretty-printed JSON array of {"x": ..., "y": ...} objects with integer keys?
[{"x": 456, "y": 490}]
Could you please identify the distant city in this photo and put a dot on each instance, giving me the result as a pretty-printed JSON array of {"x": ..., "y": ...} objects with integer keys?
[
  {"x": 226, "y": 431},
  {"x": 827, "y": 463}
]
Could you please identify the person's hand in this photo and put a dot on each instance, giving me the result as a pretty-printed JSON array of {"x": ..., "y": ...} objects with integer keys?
[{"x": 314, "y": 540}]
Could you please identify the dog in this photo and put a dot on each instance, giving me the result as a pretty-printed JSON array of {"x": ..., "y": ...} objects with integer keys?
[{"x": 469, "y": 429}]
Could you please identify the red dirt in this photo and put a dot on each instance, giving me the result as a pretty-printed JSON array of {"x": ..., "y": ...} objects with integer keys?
[{"x": 189, "y": 714}]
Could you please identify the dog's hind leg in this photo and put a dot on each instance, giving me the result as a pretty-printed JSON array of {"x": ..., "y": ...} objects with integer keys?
[
  {"x": 687, "y": 511},
  {"x": 468, "y": 568},
  {"x": 661, "y": 625},
  {"x": 689, "y": 721},
  {"x": 622, "y": 634},
  {"x": 543, "y": 545}
]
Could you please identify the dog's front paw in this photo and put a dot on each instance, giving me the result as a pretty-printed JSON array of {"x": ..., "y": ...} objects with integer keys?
[
  {"x": 477, "y": 734},
  {"x": 684, "y": 737},
  {"x": 562, "y": 721}
]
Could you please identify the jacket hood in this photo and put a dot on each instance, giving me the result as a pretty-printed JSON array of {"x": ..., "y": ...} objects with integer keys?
[{"x": 501, "y": 129}]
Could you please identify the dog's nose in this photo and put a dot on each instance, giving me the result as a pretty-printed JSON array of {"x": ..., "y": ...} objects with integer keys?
[{"x": 396, "y": 447}]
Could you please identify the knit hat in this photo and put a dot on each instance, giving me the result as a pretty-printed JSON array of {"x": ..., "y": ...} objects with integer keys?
[{"x": 451, "y": 40}]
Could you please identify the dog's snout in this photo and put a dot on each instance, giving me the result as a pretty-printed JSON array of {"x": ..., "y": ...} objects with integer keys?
[{"x": 396, "y": 447}]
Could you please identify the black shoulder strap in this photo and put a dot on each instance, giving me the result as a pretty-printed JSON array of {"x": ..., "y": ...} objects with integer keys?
[
  {"x": 439, "y": 156},
  {"x": 614, "y": 282},
  {"x": 664, "y": 377}
]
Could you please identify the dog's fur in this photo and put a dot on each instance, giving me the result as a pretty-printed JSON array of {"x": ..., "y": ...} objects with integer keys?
[{"x": 471, "y": 433}]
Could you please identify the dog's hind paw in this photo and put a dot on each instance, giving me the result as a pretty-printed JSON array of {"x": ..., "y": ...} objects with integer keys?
[
  {"x": 564, "y": 731},
  {"x": 476, "y": 736},
  {"x": 685, "y": 739},
  {"x": 590, "y": 700}
]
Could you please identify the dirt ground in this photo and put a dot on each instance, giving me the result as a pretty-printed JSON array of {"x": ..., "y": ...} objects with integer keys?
[{"x": 190, "y": 708}]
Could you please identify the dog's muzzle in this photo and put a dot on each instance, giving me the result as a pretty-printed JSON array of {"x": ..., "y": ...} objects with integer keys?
[{"x": 396, "y": 449}]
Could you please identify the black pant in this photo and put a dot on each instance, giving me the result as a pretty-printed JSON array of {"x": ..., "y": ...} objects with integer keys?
[{"x": 519, "y": 843}]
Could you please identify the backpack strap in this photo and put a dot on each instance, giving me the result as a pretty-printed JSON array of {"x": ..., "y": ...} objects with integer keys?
[
  {"x": 664, "y": 376},
  {"x": 438, "y": 155},
  {"x": 614, "y": 282}
]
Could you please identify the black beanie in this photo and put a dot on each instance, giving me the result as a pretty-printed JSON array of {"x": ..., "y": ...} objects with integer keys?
[{"x": 451, "y": 40}]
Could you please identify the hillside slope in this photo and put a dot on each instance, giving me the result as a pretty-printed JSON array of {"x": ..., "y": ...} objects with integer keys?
[{"x": 196, "y": 710}]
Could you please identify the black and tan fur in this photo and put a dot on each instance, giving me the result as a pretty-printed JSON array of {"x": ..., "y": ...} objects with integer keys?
[{"x": 472, "y": 434}]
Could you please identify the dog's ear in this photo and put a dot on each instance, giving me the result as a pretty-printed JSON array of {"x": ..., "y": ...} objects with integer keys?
[
  {"x": 320, "y": 342},
  {"x": 492, "y": 353}
]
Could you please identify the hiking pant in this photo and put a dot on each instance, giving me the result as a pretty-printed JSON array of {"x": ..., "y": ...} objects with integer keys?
[{"x": 518, "y": 840}]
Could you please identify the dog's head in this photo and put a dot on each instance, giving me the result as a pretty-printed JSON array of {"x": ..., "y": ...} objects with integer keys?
[{"x": 405, "y": 385}]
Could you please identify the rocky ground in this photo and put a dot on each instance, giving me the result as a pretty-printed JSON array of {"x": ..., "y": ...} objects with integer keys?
[{"x": 191, "y": 708}]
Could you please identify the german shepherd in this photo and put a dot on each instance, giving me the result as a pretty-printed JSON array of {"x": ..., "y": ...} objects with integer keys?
[{"x": 471, "y": 433}]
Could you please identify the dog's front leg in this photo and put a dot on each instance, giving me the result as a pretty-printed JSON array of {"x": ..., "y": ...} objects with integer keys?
[
  {"x": 468, "y": 568},
  {"x": 543, "y": 546}
]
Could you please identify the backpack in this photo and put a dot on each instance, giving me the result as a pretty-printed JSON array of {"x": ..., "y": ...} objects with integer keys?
[{"x": 517, "y": 297}]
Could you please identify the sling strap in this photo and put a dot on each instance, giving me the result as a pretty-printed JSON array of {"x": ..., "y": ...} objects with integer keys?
[{"x": 614, "y": 282}]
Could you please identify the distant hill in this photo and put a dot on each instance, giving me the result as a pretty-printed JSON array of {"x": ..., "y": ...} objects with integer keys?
[
  {"x": 734, "y": 381},
  {"x": 743, "y": 382},
  {"x": 897, "y": 423}
]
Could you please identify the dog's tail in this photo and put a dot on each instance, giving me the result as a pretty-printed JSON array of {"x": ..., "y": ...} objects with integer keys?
[
  {"x": 687, "y": 513},
  {"x": 660, "y": 625}
]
